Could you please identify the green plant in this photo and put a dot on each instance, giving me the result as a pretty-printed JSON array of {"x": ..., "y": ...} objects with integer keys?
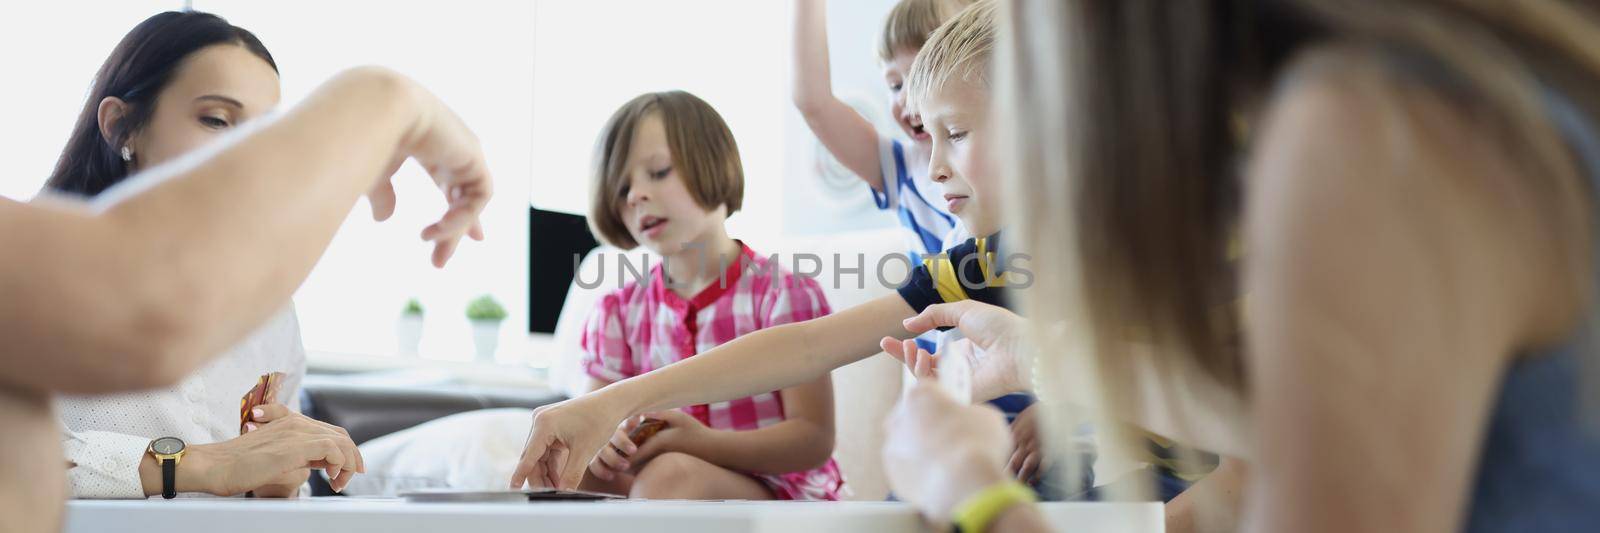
[
  {"x": 485, "y": 308},
  {"x": 413, "y": 308}
]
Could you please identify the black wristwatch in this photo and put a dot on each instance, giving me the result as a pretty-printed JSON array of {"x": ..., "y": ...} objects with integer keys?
[{"x": 168, "y": 452}]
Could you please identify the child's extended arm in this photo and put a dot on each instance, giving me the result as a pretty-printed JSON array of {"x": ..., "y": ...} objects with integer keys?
[
  {"x": 572, "y": 431},
  {"x": 804, "y": 440},
  {"x": 747, "y": 365},
  {"x": 846, "y": 134}
]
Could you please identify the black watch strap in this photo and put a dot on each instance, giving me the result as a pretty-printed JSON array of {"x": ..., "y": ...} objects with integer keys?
[{"x": 169, "y": 475}]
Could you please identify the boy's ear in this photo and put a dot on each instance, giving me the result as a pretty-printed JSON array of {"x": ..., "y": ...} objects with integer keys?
[{"x": 111, "y": 110}]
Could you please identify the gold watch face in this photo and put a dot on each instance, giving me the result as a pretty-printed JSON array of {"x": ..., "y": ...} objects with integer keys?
[{"x": 166, "y": 446}]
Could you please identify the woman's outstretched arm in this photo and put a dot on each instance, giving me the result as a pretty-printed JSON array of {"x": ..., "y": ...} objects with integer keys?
[{"x": 143, "y": 285}]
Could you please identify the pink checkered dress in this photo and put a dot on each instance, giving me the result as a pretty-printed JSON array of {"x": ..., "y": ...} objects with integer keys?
[{"x": 642, "y": 327}]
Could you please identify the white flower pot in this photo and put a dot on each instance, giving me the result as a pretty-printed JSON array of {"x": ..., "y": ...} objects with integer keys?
[
  {"x": 486, "y": 336},
  {"x": 408, "y": 332}
]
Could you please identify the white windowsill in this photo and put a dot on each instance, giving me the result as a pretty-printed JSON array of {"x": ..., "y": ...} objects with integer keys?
[{"x": 522, "y": 365}]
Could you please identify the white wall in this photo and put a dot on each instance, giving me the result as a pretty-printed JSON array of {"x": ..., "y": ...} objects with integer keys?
[
  {"x": 50, "y": 51},
  {"x": 474, "y": 55},
  {"x": 590, "y": 57}
]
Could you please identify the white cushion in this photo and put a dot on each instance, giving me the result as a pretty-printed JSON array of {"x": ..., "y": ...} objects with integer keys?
[{"x": 473, "y": 450}]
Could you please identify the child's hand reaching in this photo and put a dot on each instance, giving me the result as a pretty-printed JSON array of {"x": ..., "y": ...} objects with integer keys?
[
  {"x": 679, "y": 436},
  {"x": 564, "y": 440},
  {"x": 921, "y": 363},
  {"x": 956, "y": 358},
  {"x": 997, "y": 334}
]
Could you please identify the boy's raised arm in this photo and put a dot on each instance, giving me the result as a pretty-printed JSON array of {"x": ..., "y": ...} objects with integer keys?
[{"x": 845, "y": 133}]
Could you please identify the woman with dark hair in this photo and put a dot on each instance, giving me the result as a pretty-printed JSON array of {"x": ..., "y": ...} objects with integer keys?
[
  {"x": 144, "y": 283},
  {"x": 123, "y": 126},
  {"x": 176, "y": 82}
]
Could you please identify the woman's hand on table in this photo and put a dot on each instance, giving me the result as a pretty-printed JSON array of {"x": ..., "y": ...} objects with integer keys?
[
  {"x": 939, "y": 452},
  {"x": 288, "y": 485},
  {"x": 276, "y": 453},
  {"x": 287, "y": 488},
  {"x": 999, "y": 339}
]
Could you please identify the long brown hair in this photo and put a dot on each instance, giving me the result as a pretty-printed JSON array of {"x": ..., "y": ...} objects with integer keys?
[{"x": 1127, "y": 137}]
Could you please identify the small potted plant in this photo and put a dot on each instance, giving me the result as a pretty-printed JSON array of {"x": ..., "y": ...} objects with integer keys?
[
  {"x": 408, "y": 329},
  {"x": 486, "y": 314}
]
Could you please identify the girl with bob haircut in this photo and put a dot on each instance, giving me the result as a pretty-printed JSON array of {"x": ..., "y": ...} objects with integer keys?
[{"x": 667, "y": 175}]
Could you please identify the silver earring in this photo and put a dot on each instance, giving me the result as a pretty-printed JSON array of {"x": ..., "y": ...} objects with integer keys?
[{"x": 127, "y": 154}]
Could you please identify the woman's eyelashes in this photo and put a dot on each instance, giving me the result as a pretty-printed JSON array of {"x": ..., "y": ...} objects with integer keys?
[
  {"x": 956, "y": 135},
  {"x": 660, "y": 174},
  {"x": 215, "y": 122}
]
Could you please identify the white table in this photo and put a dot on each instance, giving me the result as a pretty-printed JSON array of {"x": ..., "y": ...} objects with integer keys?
[{"x": 390, "y": 515}]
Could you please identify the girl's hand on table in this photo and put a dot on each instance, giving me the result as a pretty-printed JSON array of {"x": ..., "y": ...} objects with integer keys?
[{"x": 565, "y": 439}]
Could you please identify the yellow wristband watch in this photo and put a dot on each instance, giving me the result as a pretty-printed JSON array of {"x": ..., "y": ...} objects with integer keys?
[{"x": 979, "y": 510}]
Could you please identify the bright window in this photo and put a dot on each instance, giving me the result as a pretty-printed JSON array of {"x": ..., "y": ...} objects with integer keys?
[
  {"x": 473, "y": 55},
  {"x": 590, "y": 57},
  {"x": 50, "y": 51}
]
